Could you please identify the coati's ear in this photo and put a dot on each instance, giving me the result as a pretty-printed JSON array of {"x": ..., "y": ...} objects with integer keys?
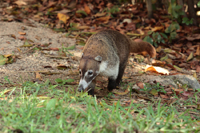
[
  {"x": 98, "y": 58},
  {"x": 82, "y": 55}
]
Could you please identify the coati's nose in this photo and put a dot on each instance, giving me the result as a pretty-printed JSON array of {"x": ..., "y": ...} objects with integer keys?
[{"x": 80, "y": 88}]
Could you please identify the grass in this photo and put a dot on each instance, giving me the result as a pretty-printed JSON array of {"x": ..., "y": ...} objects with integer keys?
[{"x": 34, "y": 107}]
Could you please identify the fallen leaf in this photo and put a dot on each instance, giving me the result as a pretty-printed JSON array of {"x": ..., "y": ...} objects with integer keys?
[
  {"x": 100, "y": 14},
  {"x": 22, "y": 33},
  {"x": 8, "y": 55},
  {"x": 140, "y": 85},
  {"x": 154, "y": 92},
  {"x": 83, "y": 27},
  {"x": 190, "y": 57},
  {"x": 20, "y": 2},
  {"x": 87, "y": 9},
  {"x": 157, "y": 28},
  {"x": 54, "y": 49},
  {"x": 22, "y": 38},
  {"x": 103, "y": 19},
  {"x": 13, "y": 36},
  {"x": 186, "y": 93},
  {"x": 5, "y": 91},
  {"x": 121, "y": 93},
  {"x": 167, "y": 50},
  {"x": 177, "y": 68},
  {"x": 157, "y": 70},
  {"x": 164, "y": 96},
  {"x": 193, "y": 37},
  {"x": 195, "y": 75},
  {"x": 38, "y": 76},
  {"x": 198, "y": 50},
  {"x": 3, "y": 60},
  {"x": 63, "y": 17}
]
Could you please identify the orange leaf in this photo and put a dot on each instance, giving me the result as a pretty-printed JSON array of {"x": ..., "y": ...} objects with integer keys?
[
  {"x": 38, "y": 76},
  {"x": 63, "y": 17},
  {"x": 157, "y": 70},
  {"x": 87, "y": 9},
  {"x": 103, "y": 19},
  {"x": 22, "y": 33},
  {"x": 158, "y": 28},
  {"x": 140, "y": 85}
]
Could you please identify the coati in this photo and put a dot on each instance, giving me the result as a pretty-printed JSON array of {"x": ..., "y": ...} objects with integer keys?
[{"x": 106, "y": 53}]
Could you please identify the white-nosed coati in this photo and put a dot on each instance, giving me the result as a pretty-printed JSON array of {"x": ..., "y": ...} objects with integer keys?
[{"x": 106, "y": 53}]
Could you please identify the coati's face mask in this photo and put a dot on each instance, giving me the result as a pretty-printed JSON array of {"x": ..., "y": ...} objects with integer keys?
[{"x": 88, "y": 69}]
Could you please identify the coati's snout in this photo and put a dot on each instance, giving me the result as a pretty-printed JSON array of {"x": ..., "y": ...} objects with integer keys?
[
  {"x": 88, "y": 69},
  {"x": 86, "y": 79}
]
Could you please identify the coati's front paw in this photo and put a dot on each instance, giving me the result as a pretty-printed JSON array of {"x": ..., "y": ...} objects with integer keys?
[
  {"x": 111, "y": 84},
  {"x": 91, "y": 92}
]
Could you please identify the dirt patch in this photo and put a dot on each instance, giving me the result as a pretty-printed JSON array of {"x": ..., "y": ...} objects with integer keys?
[{"x": 28, "y": 61}]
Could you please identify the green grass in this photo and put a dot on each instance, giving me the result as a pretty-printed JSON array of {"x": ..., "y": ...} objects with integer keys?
[{"x": 34, "y": 107}]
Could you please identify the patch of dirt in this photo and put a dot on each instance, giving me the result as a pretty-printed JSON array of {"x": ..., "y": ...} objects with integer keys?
[{"x": 29, "y": 61}]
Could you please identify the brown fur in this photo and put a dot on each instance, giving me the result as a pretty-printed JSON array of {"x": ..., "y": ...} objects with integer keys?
[{"x": 113, "y": 47}]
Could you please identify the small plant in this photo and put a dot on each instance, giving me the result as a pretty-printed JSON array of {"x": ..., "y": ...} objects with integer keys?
[
  {"x": 112, "y": 10},
  {"x": 187, "y": 21},
  {"x": 171, "y": 31},
  {"x": 156, "y": 38},
  {"x": 175, "y": 11}
]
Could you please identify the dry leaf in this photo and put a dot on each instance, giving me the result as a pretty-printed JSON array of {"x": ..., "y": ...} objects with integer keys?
[
  {"x": 121, "y": 93},
  {"x": 63, "y": 17},
  {"x": 87, "y": 9},
  {"x": 22, "y": 33},
  {"x": 104, "y": 19},
  {"x": 157, "y": 28},
  {"x": 100, "y": 14},
  {"x": 198, "y": 50},
  {"x": 140, "y": 85},
  {"x": 190, "y": 56},
  {"x": 83, "y": 27},
  {"x": 195, "y": 75},
  {"x": 164, "y": 96},
  {"x": 20, "y": 2},
  {"x": 157, "y": 70},
  {"x": 154, "y": 92},
  {"x": 38, "y": 76}
]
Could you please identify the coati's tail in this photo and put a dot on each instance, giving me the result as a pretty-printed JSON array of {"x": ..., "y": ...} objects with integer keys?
[{"x": 139, "y": 46}]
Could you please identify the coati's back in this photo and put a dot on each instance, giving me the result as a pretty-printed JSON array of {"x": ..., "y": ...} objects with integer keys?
[{"x": 110, "y": 44}]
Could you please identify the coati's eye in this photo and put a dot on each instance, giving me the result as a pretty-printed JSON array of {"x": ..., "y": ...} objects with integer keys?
[{"x": 90, "y": 73}]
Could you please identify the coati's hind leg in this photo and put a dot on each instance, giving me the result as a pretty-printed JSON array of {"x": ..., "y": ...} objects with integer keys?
[
  {"x": 91, "y": 88},
  {"x": 120, "y": 74},
  {"x": 111, "y": 84}
]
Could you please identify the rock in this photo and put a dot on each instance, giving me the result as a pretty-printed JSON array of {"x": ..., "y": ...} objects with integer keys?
[
  {"x": 186, "y": 79},
  {"x": 172, "y": 80}
]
